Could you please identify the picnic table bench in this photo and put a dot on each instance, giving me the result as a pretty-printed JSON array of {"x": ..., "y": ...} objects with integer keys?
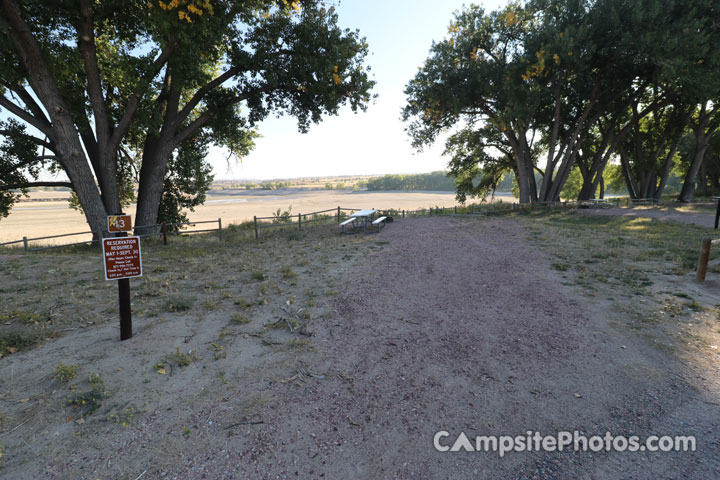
[{"x": 363, "y": 219}]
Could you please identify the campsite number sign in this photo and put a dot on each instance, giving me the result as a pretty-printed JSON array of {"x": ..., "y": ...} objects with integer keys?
[{"x": 119, "y": 223}]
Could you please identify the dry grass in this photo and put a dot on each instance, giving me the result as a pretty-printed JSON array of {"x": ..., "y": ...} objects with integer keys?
[
  {"x": 200, "y": 315},
  {"x": 640, "y": 268}
]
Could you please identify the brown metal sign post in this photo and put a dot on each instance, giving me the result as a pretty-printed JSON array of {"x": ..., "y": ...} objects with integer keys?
[{"x": 123, "y": 260}]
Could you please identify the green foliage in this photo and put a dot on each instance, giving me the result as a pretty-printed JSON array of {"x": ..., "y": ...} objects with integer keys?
[
  {"x": 186, "y": 182},
  {"x": 88, "y": 402},
  {"x": 173, "y": 79},
  {"x": 274, "y": 185},
  {"x": 282, "y": 216},
  {"x": 179, "y": 303},
  {"x": 19, "y": 164},
  {"x": 425, "y": 181},
  {"x": 559, "y": 83},
  {"x": 65, "y": 373}
]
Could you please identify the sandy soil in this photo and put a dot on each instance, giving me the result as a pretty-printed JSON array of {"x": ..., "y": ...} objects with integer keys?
[
  {"x": 36, "y": 219},
  {"x": 435, "y": 324}
]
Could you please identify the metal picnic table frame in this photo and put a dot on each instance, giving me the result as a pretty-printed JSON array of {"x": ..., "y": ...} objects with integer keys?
[{"x": 365, "y": 215}]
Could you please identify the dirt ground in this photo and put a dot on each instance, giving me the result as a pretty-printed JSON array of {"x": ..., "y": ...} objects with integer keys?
[
  {"x": 315, "y": 355},
  {"x": 698, "y": 214}
]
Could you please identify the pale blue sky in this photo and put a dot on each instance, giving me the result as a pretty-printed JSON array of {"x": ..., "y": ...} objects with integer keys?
[{"x": 399, "y": 33}]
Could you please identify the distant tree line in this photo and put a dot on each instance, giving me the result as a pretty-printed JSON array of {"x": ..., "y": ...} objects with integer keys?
[
  {"x": 439, "y": 181},
  {"x": 568, "y": 92}
]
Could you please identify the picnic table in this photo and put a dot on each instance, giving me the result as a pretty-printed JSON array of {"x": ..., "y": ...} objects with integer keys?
[
  {"x": 364, "y": 216},
  {"x": 364, "y": 219}
]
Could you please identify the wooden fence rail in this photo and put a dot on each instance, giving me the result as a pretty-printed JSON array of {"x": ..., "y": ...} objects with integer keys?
[
  {"x": 105, "y": 234},
  {"x": 298, "y": 220}
]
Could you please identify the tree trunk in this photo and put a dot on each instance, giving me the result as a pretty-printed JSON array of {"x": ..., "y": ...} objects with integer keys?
[
  {"x": 701, "y": 145},
  {"x": 667, "y": 167},
  {"x": 152, "y": 176},
  {"x": 628, "y": 174},
  {"x": 61, "y": 129},
  {"x": 75, "y": 166}
]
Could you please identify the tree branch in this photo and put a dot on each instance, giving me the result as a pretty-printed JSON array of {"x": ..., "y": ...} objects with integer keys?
[
  {"x": 28, "y": 101},
  {"x": 193, "y": 102},
  {"x": 86, "y": 43},
  {"x": 37, "y": 140},
  {"x": 134, "y": 101},
  {"x": 25, "y": 115}
]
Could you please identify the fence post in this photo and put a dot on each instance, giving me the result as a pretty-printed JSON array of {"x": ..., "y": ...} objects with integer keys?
[
  {"x": 338, "y": 214},
  {"x": 703, "y": 260},
  {"x": 25, "y": 243},
  {"x": 220, "y": 229},
  {"x": 403, "y": 213},
  {"x": 164, "y": 232},
  {"x": 299, "y": 221},
  {"x": 255, "y": 222},
  {"x": 455, "y": 209}
]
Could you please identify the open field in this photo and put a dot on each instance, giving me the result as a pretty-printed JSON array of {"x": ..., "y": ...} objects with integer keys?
[
  {"x": 36, "y": 219},
  {"x": 309, "y": 354}
]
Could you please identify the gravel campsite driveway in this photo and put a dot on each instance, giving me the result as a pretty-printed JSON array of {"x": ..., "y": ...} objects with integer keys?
[{"x": 459, "y": 325}]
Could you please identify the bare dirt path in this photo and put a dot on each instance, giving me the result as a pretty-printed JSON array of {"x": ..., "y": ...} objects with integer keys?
[
  {"x": 679, "y": 214},
  {"x": 459, "y": 325}
]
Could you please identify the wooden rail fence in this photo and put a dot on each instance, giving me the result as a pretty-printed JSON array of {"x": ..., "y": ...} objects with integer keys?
[
  {"x": 162, "y": 229},
  {"x": 294, "y": 220}
]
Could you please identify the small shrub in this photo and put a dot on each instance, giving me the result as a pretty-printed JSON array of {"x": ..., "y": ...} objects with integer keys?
[
  {"x": 177, "y": 303},
  {"x": 210, "y": 305},
  {"x": 239, "y": 319},
  {"x": 287, "y": 272},
  {"x": 179, "y": 359},
  {"x": 259, "y": 276},
  {"x": 65, "y": 373},
  {"x": 242, "y": 303},
  {"x": 18, "y": 339},
  {"x": 89, "y": 401}
]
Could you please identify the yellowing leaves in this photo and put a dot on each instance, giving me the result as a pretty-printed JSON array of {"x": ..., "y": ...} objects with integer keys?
[
  {"x": 539, "y": 68},
  {"x": 510, "y": 18},
  {"x": 186, "y": 8},
  {"x": 336, "y": 78}
]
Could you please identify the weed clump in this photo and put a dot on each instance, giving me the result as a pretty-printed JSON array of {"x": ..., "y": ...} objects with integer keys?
[
  {"x": 65, "y": 373},
  {"x": 177, "y": 303}
]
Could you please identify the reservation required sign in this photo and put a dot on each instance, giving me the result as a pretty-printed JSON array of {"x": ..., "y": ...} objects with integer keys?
[{"x": 122, "y": 257}]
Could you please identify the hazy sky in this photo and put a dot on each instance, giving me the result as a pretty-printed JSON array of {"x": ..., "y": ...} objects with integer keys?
[{"x": 399, "y": 33}]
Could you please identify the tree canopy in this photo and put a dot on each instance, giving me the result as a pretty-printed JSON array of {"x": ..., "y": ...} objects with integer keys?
[
  {"x": 549, "y": 86},
  {"x": 119, "y": 93}
]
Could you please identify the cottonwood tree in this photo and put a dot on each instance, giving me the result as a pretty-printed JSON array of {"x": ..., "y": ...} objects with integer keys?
[
  {"x": 573, "y": 74},
  {"x": 474, "y": 78},
  {"x": 101, "y": 89}
]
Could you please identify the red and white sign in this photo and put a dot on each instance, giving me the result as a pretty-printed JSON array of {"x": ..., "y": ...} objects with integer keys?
[
  {"x": 119, "y": 223},
  {"x": 122, "y": 257}
]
